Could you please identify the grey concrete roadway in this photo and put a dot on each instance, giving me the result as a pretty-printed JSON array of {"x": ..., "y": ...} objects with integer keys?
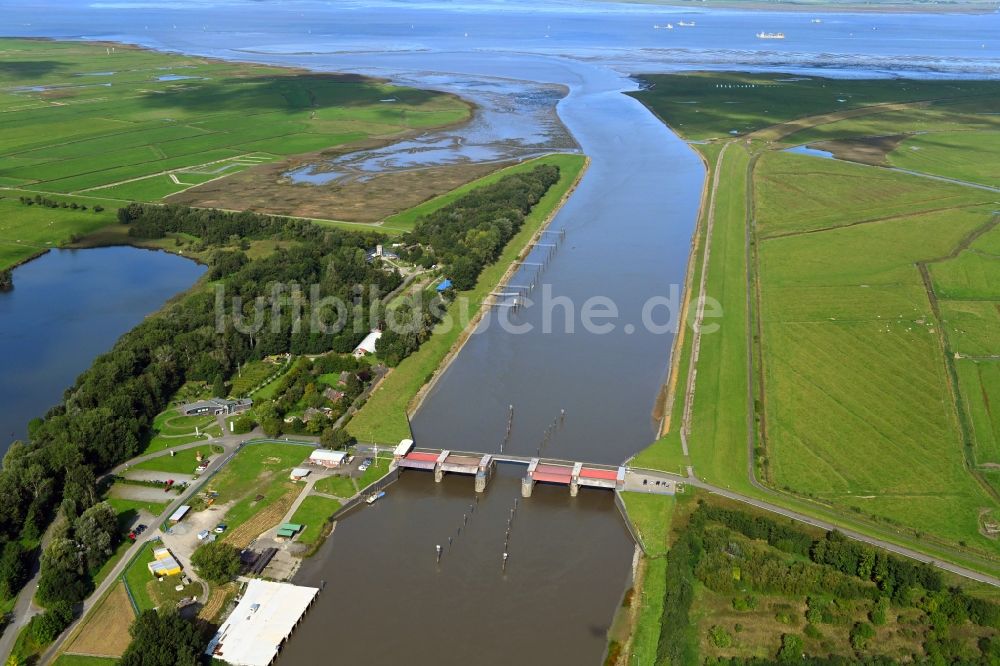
[{"x": 965, "y": 572}]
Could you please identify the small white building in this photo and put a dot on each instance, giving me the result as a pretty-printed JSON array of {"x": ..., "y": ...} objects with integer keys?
[
  {"x": 179, "y": 514},
  {"x": 327, "y": 458},
  {"x": 367, "y": 346},
  {"x": 404, "y": 447},
  {"x": 299, "y": 473}
]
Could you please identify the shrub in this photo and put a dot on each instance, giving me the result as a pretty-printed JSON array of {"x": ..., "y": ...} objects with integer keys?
[
  {"x": 720, "y": 637},
  {"x": 791, "y": 649},
  {"x": 861, "y": 633}
]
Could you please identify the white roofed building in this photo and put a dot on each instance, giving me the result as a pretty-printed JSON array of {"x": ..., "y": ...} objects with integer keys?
[
  {"x": 261, "y": 623},
  {"x": 367, "y": 346},
  {"x": 327, "y": 458}
]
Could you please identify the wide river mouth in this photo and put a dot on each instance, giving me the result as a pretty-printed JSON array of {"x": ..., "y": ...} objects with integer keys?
[{"x": 628, "y": 230}]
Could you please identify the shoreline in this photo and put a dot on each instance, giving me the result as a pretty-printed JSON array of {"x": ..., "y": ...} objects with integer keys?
[
  {"x": 824, "y": 8},
  {"x": 418, "y": 399},
  {"x": 668, "y": 390}
]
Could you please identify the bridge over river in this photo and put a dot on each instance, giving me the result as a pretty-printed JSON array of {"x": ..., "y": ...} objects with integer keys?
[{"x": 570, "y": 473}]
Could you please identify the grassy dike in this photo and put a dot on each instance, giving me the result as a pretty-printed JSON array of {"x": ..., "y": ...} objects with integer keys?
[
  {"x": 651, "y": 515},
  {"x": 384, "y": 417}
]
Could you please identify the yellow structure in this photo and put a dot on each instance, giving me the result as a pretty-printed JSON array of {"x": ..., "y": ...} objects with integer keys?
[{"x": 163, "y": 563}]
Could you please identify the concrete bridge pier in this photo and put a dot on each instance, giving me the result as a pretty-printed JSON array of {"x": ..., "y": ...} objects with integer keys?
[
  {"x": 528, "y": 482},
  {"x": 485, "y": 472},
  {"x": 438, "y": 470},
  {"x": 527, "y": 485},
  {"x": 574, "y": 482}
]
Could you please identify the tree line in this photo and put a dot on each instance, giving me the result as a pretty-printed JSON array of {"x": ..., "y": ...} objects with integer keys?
[
  {"x": 39, "y": 200},
  {"x": 470, "y": 233},
  {"x": 466, "y": 236}
]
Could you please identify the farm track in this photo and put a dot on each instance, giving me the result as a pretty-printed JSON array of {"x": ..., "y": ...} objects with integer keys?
[{"x": 968, "y": 437}]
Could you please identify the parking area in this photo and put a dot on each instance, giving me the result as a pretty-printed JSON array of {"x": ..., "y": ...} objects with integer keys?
[
  {"x": 154, "y": 475},
  {"x": 141, "y": 493},
  {"x": 182, "y": 538}
]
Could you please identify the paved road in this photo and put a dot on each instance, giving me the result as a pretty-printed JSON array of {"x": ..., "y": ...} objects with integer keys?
[
  {"x": 965, "y": 572},
  {"x": 25, "y": 609},
  {"x": 231, "y": 443}
]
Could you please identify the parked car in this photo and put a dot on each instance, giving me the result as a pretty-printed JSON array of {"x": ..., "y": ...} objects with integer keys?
[
  {"x": 220, "y": 528},
  {"x": 139, "y": 529},
  {"x": 203, "y": 535},
  {"x": 131, "y": 536}
]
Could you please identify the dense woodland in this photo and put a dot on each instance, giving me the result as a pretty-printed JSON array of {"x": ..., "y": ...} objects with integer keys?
[{"x": 745, "y": 557}]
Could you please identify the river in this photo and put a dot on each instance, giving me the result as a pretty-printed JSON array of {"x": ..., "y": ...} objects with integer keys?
[
  {"x": 67, "y": 307},
  {"x": 628, "y": 230}
]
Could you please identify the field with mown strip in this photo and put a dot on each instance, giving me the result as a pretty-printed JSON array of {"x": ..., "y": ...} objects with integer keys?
[
  {"x": 980, "y": 384},
  {"x": 383, "y": 416},
  {"x": 105, "y": 631},
  {"x": 855, "y": 377},
  {"x": 830, "y": 193},
  {"x": 83, "y": 660}
]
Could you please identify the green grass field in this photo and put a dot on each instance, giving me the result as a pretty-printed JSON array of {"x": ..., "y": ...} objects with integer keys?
[
  {"x": 706, "y": 105},
  {"x": 651, "y": 515},
  {"x": 142, "y": 125},
  {"x": 251, "y": 376},
  {"x": 182, "y": 462},
  {"x": 854, "y": 374},
  {"x": 83, "y": 660},
  {"x": 341, "y": 486},
  {"x": 26, "y": 231},
  {"x": 383, "y": 417},
  {"x": 375, "y": 471},
  {"x": 862, "y": 416},
  {"x": 67, "y": 129},
  {"x": 258, "y": 470},
  {"x": 149, "y": 592},
  {"x": 829, "y": 194},
  {"x": 313, "y": 513}
]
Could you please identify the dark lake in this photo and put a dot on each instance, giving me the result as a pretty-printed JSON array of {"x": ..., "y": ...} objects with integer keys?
[{"x": 67, "y": 307}]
